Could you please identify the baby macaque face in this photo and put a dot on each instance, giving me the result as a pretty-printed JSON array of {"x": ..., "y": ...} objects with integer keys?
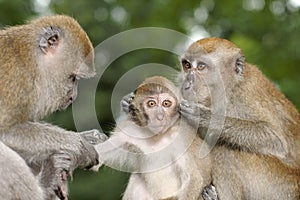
[{"x": 161, "y": 110}]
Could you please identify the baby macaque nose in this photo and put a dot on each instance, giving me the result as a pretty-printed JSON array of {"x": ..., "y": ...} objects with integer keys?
[{"x": 160, "y": 116}]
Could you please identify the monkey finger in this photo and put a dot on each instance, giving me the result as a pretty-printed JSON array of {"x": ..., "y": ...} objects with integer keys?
[
  {"x": 91, "y": 166},
  {"x": 209, "y": 193},
  {"x": 191, "y": 119},
  {"x": 125, "y": 106},
  {"x": 185, "y": 103},
  {"x": 186, "y": 109},
  {"x": 195, "y": 109},
  {"x": 126, "y": 102},
  {"x": 129, "y": 97},
  {"x": 95, "y": 168},
  {"x": 93, "y": 136},
  {"x": 64, "y": 175},
  {"x": 61, "y": 160},
  {"x": 60, "y": 193}
]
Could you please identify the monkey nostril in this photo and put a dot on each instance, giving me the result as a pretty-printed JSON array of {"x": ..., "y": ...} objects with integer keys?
[
  {"x": 187, "y": 85},
  {"x": 160, "y": 117}
]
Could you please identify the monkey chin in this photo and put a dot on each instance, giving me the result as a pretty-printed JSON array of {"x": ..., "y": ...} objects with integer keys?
[
  {"x": 65, "y": 105},
  {"x": 158, "y": 130},
  {"x": 189, "y": 94}
]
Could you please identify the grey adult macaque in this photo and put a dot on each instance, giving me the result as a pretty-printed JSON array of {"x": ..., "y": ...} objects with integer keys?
[{"x": 41, "y": 63}]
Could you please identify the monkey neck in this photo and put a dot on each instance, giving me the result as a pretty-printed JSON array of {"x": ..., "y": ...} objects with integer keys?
[
  {"x": 255, "y": 97},
  {"x": 218, "y": 99},
  {"x": 164, "y": 139}
]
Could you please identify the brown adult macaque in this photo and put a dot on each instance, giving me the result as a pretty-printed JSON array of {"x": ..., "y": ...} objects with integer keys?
[
  {"x": 41, "y": 63},
  {"x": 162, "y": 150},
  {"x": 254, "y": 127}
]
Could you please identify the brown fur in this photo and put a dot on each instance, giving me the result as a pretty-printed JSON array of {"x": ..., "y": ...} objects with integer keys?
[
  {"x": 39, "y": 62},
  {"x": 259, "y": 143}
]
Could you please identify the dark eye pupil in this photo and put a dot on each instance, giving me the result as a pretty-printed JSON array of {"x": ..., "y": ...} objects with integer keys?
[
  {"x": 201, "y": 67},
  {"x": 151, "y": 103},
  {"x": 73, "y": 78},
  {"x": 52, "y": 39},
  {"x": 186, "y": 64},
  {"x": 166, "y": 103}
]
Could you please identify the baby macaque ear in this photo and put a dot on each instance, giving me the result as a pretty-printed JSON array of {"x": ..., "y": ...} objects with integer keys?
[
  {"x": 239, "y": 65},
  {"x": 50, "y": 39}
]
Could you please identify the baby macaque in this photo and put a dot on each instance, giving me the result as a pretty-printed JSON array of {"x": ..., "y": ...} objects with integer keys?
[{"x": 158, "y": 147}]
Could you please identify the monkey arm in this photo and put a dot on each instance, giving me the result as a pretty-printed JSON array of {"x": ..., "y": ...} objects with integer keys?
[
  {"x": 119, "y": 154},
  {"x": 243, "y": 134},
  {"x": 36, "y": 141},
  {"x": 93, "y": 136},
  {"x": 52, "y": 152}
]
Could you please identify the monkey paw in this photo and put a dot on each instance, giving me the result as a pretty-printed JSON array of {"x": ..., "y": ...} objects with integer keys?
[
  {"x": 190, "y": 111},
  {"x": 209, "y": 193},
  {"x": 88, "y": 156},
  {"x": 126, "y": 102},
  {"x": 61, "y": 190},
  {"x": 93, "y": 136},
  {"x": 54, "y": 175},
  {"x": 195, "y": 113}
]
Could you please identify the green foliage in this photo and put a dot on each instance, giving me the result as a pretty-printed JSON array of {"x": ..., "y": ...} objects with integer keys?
[
  {"x": 15, "y": 12},
  {"x": 267, "y": 31}
]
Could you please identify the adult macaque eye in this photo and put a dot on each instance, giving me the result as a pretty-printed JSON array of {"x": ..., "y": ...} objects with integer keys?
[
  {"x": 73, "y": 77},
  {"x": 201, "y": 66},
  {"x": 166, "y": 103},
  {"x": 151, "y": 103},
  {"x": 186, "y": 64}
]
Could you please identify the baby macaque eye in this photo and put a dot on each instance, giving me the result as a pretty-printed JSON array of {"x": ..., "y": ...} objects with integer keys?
[
  {"x": 151, "y": 103},
  {"x": 166, "y": 103}
]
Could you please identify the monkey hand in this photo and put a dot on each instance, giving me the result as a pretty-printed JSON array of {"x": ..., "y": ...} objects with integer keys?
[
  {"x": 88, "y": 156},
  {"x": 209, "y": 193},
  {"x": 196, "y": 114},
  {"x": 93, "y": 136},
  {"x": 54, "y": 175},
  {"x": 126, "y": 102},
  {"x": 60, "y": 165}
]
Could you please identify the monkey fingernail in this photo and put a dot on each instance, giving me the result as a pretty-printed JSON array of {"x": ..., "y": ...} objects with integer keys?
[
  {"x": 60, "y": 193},
  {"x": 184, "y": 103},
  {"x": 64, "y": 175}
]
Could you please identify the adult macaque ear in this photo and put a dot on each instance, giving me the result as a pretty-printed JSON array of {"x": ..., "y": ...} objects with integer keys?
[
  {"x": 239, "y": 65},
  {"x": 50, "y": 39}
]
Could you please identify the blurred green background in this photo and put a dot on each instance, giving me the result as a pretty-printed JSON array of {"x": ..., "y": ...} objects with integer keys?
[{"x": 268, "y": 31}]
